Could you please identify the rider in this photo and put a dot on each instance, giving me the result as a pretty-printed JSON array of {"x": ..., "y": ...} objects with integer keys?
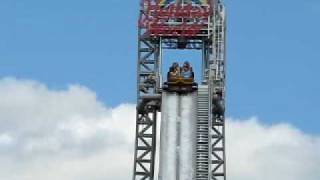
[
  {"x": 187, "y": 71},
  {"x": 174, "y": 70}
]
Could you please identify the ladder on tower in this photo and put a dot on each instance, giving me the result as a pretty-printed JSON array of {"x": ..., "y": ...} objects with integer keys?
[{"x": 203, "y": 141}]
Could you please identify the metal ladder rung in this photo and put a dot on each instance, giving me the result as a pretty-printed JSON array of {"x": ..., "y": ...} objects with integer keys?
[{"x": 203, "y": 162}]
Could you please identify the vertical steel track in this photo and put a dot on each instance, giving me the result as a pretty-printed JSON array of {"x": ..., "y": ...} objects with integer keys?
[
  {"x": 148, "y": 104},
  {"x": 217, "y": 85}
]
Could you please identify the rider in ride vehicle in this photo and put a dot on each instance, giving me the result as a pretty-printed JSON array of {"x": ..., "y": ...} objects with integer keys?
[
  {"x": 174, "y": 71},
  {"x": 186, "y": 71}
]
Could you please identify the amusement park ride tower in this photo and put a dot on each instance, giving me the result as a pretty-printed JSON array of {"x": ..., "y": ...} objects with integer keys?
[{"x": 188, "y": 25}]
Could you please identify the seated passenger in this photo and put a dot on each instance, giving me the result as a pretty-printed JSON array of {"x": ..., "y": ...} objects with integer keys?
[
  {"x": 187, "y": 71},
  {"x": 174, "y": 71}
]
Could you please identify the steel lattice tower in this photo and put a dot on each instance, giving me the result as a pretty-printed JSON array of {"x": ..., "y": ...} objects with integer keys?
[{"x": 183, "y": 24}]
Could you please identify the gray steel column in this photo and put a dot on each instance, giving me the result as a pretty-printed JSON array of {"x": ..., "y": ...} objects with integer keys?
[
  {"x": 148, "y": 104},
  {"x": 217, "y": 77}
]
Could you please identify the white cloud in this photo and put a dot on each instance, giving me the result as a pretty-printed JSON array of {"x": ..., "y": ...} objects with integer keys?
[
  {"x": 5, "y": 139},
  {"x": 70, "y": 135},
  {"x": 62, "y": 134},
  {"x": 260, "y": 152}
]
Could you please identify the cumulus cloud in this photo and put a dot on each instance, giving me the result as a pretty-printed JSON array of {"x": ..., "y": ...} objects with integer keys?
[
  {"x": 62, "y": 134},
  {"x": 70, "y": 135},
  {"x": 261, "y": 152}
]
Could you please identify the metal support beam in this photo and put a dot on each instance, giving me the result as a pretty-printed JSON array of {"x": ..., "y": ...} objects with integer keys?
[
  {"x": 217, "y": 79},
  {"x": 148, "y": 105}
]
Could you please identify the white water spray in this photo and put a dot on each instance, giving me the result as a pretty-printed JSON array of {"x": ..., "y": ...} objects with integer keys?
[{"x": 178, "y": 137}]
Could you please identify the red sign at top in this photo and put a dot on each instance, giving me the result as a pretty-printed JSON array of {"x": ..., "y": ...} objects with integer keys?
[{"x": 175, "y": 20}]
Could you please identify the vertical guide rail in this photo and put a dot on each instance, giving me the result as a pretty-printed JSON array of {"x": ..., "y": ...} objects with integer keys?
[
  {"x": 213, "y": 76},
  {"x": 217, "y": 84},
  {"x": 148, "y": 105}
]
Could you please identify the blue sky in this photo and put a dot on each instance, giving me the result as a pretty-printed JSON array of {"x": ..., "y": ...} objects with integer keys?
[{"x": 273, "y": 53}]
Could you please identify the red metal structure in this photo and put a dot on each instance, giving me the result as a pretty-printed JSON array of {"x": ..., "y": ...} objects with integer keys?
[{"x": 176, "y": 19}]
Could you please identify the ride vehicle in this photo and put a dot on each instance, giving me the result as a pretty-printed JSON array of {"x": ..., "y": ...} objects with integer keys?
[{"x": 180, "y": 80}]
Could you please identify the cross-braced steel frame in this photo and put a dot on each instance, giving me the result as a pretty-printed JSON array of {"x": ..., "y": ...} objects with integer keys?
[
  {"x": 211, "y": 41},
  {"x": 217, "y": 89},
  {"x": 148, "y": 104}
]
